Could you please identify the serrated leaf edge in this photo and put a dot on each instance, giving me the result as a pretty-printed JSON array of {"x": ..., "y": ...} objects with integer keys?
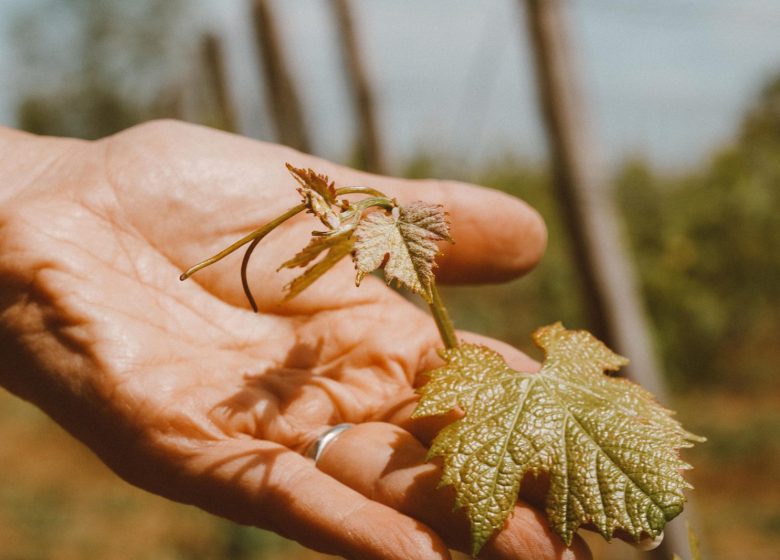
[{"x": 685, "y": 439}]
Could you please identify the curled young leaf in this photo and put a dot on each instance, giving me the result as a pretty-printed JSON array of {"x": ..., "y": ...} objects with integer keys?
[
  {"x": 338, "y": 247},
  {"x": 318, "y": 195},
  {"x": 610, "y": 450},
  {"x": 403, "y": 242}
]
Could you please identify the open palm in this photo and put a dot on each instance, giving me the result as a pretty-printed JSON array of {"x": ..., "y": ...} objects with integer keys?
[{"x": 185, "y": 392}]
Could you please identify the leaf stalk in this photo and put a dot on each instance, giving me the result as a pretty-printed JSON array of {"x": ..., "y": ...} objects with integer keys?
[{"x": 442, "y": 319}]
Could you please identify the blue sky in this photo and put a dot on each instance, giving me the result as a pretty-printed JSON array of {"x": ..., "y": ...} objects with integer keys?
[{"x": 667, "y": 79}]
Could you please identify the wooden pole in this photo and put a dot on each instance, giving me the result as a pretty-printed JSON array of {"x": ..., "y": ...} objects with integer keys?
[
  {"x": 609, "y": 286},
  {"x": 283, "y": 99},
  {"x": 369, "y": 144},
  {"x": 214, "y": 62}
]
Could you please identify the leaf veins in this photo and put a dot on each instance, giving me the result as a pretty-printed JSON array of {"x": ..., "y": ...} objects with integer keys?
[
  {"x": 611, "y": 451},
  {"x": 402, "y": 242}
]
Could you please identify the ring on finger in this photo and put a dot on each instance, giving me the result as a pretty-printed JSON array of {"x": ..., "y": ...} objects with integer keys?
[{"x": 317, "y": 447}]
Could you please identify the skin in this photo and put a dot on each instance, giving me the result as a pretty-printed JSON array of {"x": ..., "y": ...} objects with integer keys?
[{"x": 183, "y": 391}]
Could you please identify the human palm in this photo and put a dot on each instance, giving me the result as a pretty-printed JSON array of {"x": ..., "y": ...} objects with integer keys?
[{"x": 185, "y": 392}]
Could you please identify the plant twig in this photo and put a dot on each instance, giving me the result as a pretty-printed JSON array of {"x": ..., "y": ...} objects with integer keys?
[
  {"x": 244, "y": 280},
  {"x": 255, "y": 236}
]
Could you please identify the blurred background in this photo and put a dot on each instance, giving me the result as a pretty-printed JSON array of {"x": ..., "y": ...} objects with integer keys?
[{"x": 647, "y": 134}]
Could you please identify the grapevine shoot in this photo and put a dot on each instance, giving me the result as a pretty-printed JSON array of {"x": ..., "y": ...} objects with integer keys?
[{"x": 611, "y": 452}]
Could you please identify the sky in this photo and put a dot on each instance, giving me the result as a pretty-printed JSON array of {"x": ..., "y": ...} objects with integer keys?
[{"x": 667, "y": 79}]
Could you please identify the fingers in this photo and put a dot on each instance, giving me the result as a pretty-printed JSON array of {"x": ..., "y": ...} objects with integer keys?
[
  {"x": 387, "y": 465},
  {"x": 497, "y": 237},
  {"x": 426, "y": 428},
  {"x": 216, "y": 187},
  {"x": 266, "y": 485}
]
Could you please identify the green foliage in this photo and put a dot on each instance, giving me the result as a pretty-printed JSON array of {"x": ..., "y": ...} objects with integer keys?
[
  {"x": 609, "y": 448},
  {"x": 706, "y": 244},
  {"x": 109, "y": 65},
  {"x": 375, "y": 231},
  {"x": 337, "y": 246},
  {"x": 318, "y": 194},
  {"x": 708, "y": 249},
  {"x": 401, "y": 240}
]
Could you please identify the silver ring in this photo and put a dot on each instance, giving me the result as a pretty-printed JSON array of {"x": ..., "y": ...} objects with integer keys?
[{"x": 317, "y": 448}]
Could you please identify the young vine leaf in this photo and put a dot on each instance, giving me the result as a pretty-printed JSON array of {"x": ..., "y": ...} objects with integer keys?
[
  {"x": 403, "y": 242},
  {"x": 319, "y": 195},
  {"x": 338, "y": 246},
  {"x": 610, "y": 450}
]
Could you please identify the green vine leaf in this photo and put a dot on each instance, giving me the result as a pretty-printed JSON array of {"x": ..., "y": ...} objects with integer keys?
[
  {"x": 338, "y": 245},
  {"x": 610, "y": 450},
  {"x": 403, "y": 242}
]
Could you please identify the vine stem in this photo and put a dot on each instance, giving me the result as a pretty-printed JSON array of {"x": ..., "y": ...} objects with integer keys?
[
  {"x": 255, "y": 236},
  {"x": 360, "y": 190},
  {"x": 442, "y": 319}
]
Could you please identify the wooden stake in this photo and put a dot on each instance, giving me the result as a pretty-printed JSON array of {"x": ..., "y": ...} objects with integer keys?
[
  {"x": 214, "y": 62},
  {"x": 609, "y": 285},
  {"x": 283, "y": 100},
  {"x": 369, "y": 144}
]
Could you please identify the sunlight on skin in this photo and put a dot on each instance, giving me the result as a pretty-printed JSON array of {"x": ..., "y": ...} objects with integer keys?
[{"x": 183, "y": 391}]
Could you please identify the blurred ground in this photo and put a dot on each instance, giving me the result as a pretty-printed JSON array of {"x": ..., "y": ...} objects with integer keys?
[{"x": 57, "y": 502}]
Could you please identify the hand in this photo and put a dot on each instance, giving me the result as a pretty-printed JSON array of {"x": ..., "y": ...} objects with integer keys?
[{"x": 183, "y": 391}]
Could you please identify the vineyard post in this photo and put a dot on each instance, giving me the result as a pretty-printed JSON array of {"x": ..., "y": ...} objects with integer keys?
[
  {"x": 283, "y": 99},
  {"x": 609, "y": 284},
  {"x": 369, "y": 141},
  {"x": 214, "y": 65}
]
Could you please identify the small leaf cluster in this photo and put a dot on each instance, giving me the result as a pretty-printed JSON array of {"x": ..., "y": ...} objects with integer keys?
[{"x": 401, "y": 240}]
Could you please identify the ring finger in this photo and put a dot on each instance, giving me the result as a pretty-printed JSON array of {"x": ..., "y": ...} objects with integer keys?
[{"x": 387, "y": 464}]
